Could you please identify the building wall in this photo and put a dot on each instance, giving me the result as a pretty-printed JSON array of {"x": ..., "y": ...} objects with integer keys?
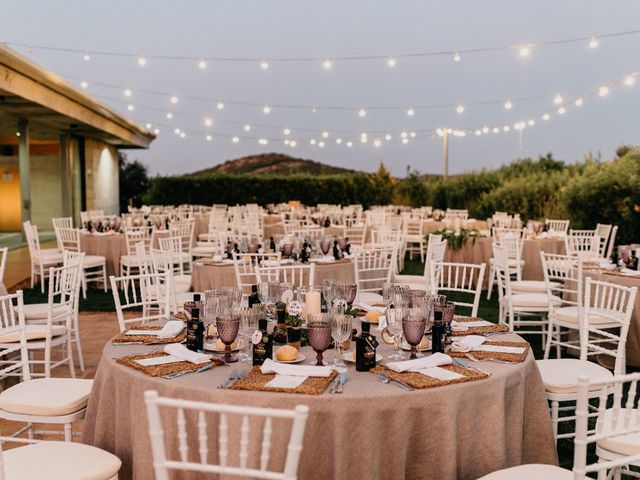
[{"x": 101, "y": 177}]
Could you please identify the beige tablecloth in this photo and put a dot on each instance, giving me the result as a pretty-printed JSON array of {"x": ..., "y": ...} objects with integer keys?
[
  {"x": 208, "y": 277},
  {"x": 373, "y": 430},
  {"x": 431, "y": 225},
  {"x": 111, "y": 246}
]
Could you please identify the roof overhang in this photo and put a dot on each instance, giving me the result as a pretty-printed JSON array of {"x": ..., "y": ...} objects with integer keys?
[{"x": 27, "y": 91}]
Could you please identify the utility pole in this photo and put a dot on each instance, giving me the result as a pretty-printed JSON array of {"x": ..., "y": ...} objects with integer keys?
[{"x": 445, "y": 143}]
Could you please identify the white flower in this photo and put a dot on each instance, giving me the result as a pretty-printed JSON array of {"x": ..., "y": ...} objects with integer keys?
[{"x": 295, "y": 307}]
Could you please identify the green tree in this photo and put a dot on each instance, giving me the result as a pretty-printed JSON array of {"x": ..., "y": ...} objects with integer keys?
[
  {"x": 134, "y": 182},
  {"x": 383, "y": 185}
]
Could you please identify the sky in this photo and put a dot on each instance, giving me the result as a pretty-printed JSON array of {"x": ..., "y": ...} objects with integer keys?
[{"x": 272, "y": 29}]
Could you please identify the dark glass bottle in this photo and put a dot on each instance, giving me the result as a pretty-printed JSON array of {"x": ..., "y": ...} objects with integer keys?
[
  {"x": 347, "y": 246},
  {"x": 264, "y": 348},
  {"x": 336, "y": 251},
  {"x": 272, "y": 245},
  {"x": 254, "y": 299},
  {"x": 195, "y": 331},
  {"x": 437, "y": 332},
  {"x": 365, "y": 349}
]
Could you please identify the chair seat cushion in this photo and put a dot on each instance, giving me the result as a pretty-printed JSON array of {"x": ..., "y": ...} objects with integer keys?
[
  {"x": 532, "y": 471},
  {"x": 34, "y": 332},
  {"x": 628, "y": 444},
  {"x": 532, "y": 286},
  {"x": 570, "y": 315},
  {"x": 537, "y": 300},
  {"x": 60, "y": 461},
  {"x": 369, "y": 297},
  {"x": 47, "y": 396},
  {"x": 202, "y": 250},
  {"x": 91, "y": 261},
  {"x": 37, "y": 311},
  {"x": 51, "y": 258},
  {"x": 512, "y": 262},
  {"x": 561, "y": 375}
]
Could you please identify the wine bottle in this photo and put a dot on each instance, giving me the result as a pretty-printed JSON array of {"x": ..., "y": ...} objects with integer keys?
[
  {"x": 437, "y": 332},
  {"x": 262, "y": 343},
  {"x": 254, "y": 299},
  {"x": 365, "y": 349},
  {"x": 195, "y": 331}
]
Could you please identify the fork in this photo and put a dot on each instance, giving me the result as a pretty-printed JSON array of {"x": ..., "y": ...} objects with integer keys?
[
  {"x": 180, "y": 374},
  {"x": 473, "y": 358},
  {"x": 235, "y": 376},
  {"x": 382, "y": 378}
]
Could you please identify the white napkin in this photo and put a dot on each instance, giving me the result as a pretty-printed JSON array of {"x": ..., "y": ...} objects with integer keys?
[
  {"x": 628, "y": 271},
  {"x": 369, "y": 308},
  {"x": 464, "y": 326},
  {"x": 500, "y": 349},
  {"x": 286, "y": 381},
  {"x": 418, "y": 364},
  {"x": 440, "y": 373},
  {"x": 180, "y": 351},
  {"x": 217, "y": 258},
  {"x": 468, "y": 343},
  {"x": 326, "y": 259},
  {"x": 269, "y": 366},
  {"x": 171, "y": 329}
]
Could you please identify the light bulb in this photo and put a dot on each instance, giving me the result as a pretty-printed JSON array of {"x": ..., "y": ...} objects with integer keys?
[
  {"x": 579, "y": 102},
  {"x": 557, "y": 99},
  {"x": 264, "y": 64},
  {"x": 312, "y": 141},
  {"x": 327, "y": 64},
  {"x": 485, "y": 129},
  {"x": 84, "y": 84},
  {"x": 338, "y": 141},
  {"x": 127, "y": 92},
  {"x": 405, "y": 140},
  {"x": 235, "y": 139},
  {"x": 220, "y": 105},
  {"x": 525, "y": 51},
  {"x": 266, "y": 109},
  {"x": 363, "y": 139},
  {"x": 456, "y": 57},
  {"x": 363, "y": 135},
  {"x": 349, "y": 144},
  {"x": 508, "y": 105},
  {"x": 411, "y": 112},
  {"x": 387, "y": 137},
  {"x": 478, "y": 132},
  {"x": 603, "y": 91},
  {"x": 247, "y": 127},
  {"x": 177, "y": 131},
  {"x": 593, "y": 43},
  {"x": 546, "y": 117},
  {"x": 362, "y": 112},
  {"x": 148, "y": 126},
  {"x": 292, "y": 143},
  {"x": 169, "y": 115},
  {"x": 202, "y": 64},
  {"x": 209, "y": 138},
  {"x": 562, "y": 110},
  {"x": 391, "y": 62},
  {"x": 157, "y": 131},
  {"x": 321, "y": 144},
  {"x": 412, "y": 134},
  {"x": 496, "y": 130},
  {"x": 325, "y": 134},
  {"x": 182, "y": 135},
  {"x": 403, "y": 135},
  {"x": 629, "y": 80},
  {"x": 174, "y": 100},
  {"x": 142, "y": 61},
  {"x": 460, "y": 109},
  {"x": 377, "y": 143},
  {"x": 208, "y": 122},
  {"x": 130, "y": 107},
  {"x": 287, "y": 141},
  {"x": 286, "y": 131},
  {"x": 87, "y": 57}
]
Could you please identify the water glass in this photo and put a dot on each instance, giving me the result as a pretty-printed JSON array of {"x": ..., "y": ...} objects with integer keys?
[
  {"x": 228, "y": 325},
  {"x": 340, "y": 332},
  {"x": 319, "y": 334},
  {"x": 413, "y": 328},
  {"x": 394, "y": 318}
]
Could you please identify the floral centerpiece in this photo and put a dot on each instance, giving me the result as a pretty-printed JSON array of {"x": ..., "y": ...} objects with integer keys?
[{"x": 457, "y": 237}]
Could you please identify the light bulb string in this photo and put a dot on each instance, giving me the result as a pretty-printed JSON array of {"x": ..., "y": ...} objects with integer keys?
[{"x": 432, "y": 53}]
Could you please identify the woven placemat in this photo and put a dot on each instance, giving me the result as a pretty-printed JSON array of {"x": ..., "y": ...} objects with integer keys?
[
  {"x": 123, "y": 338},
  {"x": 496, "y": 328},
  {"x": 507, "y": 357},
  {"x": 418, "y": 380},
  {"x": 161, "y": 370},
  {"x": 256, "y": 380}
]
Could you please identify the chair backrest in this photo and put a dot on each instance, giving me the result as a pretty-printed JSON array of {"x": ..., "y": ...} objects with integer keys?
[
  {"x": 14, "y": 354},
  {"x": 621, "y": 418},
  {"x": 299, "y": 275},
  {"x": 374, "y": 267},
  {"x": 3, "y": 261},
  {"x": 603, "y": 300},
  {"x": 133, "y": 235},
  {"x": 355, "y": 232},
  {"x": 62, "y": 222},
  {"x": 68, "y": 239},
  {"x": 461, "y": 278},
  {"x": 33, "y": 241},
  {"x": 435, "y": 253},
  {"x": 512, "y": 247},
  {"x": 503, "y": 277},
  {"x": 75, "y": 259},
  {"x": 245, "y": 264},
  {"x": 612, "y": 241},
  {"x": 62, "y": 298},
  {"x": 557, "y": 226},
  {"x": 258, "y": 429},
  {"x": 184, "y": 230},
  {"x": 173, "y": 247},
  {"x": 563, "y": 279},
  {"x": 140, "y": 298},
  {"x": 501, "y": 232},
  {"x": 586, "y": 247}
]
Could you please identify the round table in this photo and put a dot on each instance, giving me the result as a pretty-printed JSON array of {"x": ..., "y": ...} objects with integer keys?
[
  {"x": 373, "y": 430},
  {"x": 208, "y": 275},
  {"x": 111, "y": 246}
]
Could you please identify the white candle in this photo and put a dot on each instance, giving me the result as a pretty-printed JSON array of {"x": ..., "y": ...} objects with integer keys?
[{"x": 312, "y": 302}]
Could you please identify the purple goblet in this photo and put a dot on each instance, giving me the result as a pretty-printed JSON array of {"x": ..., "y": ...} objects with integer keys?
[
  {"x": 319, "y": 335},
  {"x": 287, "y": 249},
  {"x": 228, "y": 324},
  {"x": 448, "y": 311},
  {"x": 325, "y": 245},
  {"x": 413, "y": 328},
  {"x": 348, "y": 292}
]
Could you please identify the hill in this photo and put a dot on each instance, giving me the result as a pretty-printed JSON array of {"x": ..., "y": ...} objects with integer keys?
[{"x": 270, "y": 163}]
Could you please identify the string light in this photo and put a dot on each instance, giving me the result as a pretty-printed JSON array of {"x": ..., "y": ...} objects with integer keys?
[
  {"x": 174, "y": 100},
  {"x": 496, "y": 130},
  {"x": 292, "y": 143},
  {"x": 325, "y": 134},
  {"x": 157, "y": 131},
  {"x": 327, "y": 64},
  {"x": 558, "y": 99},
  {"x": 562, "y": 110},
  {"x": 485, "y": 129},
  {"x": 148, "y": 126},
  {"x": 362, "y": 112},
  {"x": 235, "y": 139},
  {"x": 169, "y": 115},
  {"x": 460, "y": 109},
  {"x": 286, "y": 131},
  {"x": 387, "y": 137},
  {"x": 209, "y": 138},
  {"x": 266, "y": 109},
  {"x": 391, "y": 62},
  {"x": 508, "y": 105},
  {"x": 263, "y": 141},
  {"x": 411, "y": 112},
  {"x": 593, "y": 43},
  {"x": 264, "y": 64},
  {"x": 579, "y": 102},
  {"x": 629, "y": 80},
  {"x": 603, "y": 91},
  {"x": 177, "y": 131},
  {"x": 130, "y": 107},
  {"x": 220, "y": 105},
  {"x": 127, "y": 92},
  {"x": 312, "y": 141},
  {"x": 321, "y": 144},
  {"x": 142, "y": 61},
  {"x": 525, "y": 51},
  {"x": 247, "y": 127},
  {"x": 208, "y": 122},
  {"x": 202, "y": 64},
  {"x": 546, "y": 116},
  {"x": 349, "y": 144},
  {"x": 405, "y": 140},
  {"x": 182, "y": 135},
  {"x": 86, "y": 57},
  {"x": 339, "y": 141},
  {"x": 84, "y": 84},
  {"x": 456, "y": 57},
  {"x": 377, "y": 143}
]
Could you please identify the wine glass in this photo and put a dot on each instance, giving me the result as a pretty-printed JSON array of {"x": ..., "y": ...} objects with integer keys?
[
  {"x": 348, "y": 291},
  {"x": 448, "y": 311},
  {"x": 329, "y": 292},
  {"x": 394, "y": 318},
  {"x": 228, "y": 324},
  {"x": 388, "y": 290},
  {"x": 413, "y": 327},
  {"x": 325, "y": 245},
  {"x": 234, "y": 296},
  {"x": 340, "y": 332},
  {"x": 319, "y": 334},
  {"x": 419, "y": 298},
  {"x": 248, "y": 324}
]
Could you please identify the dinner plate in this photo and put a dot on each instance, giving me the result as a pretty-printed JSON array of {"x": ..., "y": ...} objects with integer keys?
[
  {"x": 212, "y": 348},
  {"x": 351, "y": 357},
  {"x": 301, "y": 358},
  {"x": 407, "y": 348}
]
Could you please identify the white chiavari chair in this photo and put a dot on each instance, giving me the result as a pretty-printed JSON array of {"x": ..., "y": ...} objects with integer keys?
[
  {"x": 215, "y": 244},
  {"x": 414, "y": 236},
  {"x": 604, "y": 232},
  {"x": 616, "y": 435},
  {"x": 94, "y": 266},
  {"x": 40, "y": 258},
  {"x": 173, "y": 246},
  {"x": 555, "y": 227},
  {"x": 299, "y": 275},
  {"x": 129, "y": 262},
  {"x": 612, "y": 241},
  {"x": 436, "y": 249},
  {"x": 184, "y": 230},
  {"x": 385, "y": 237},
  {"x": 245, "y": 265},
  {"x": 3, "y": 262},
  {"x": 513, "y": 249},
  {"x": 356, "y": 232},
  {"x": 459, "y": 278},
  {"x": 258, "y": 428},
  {"x": 61, "y": 222},
  {"x": 560, "y": 376},
  {"x": 373, "y": 268},
  {"x": 586, "y": 247}
]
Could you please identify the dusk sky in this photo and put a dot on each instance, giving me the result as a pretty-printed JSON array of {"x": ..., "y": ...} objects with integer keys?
[{"x": 330, "y": 29}]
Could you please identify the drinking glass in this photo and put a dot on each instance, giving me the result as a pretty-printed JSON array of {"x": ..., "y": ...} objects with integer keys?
[
  {"x": 387, "y": 294},
  {"x": 394, "y": 318},
  {"x": 228, "y": 324},
  {"x": 419, "y": 298},
  {"x": 329, "y": 292},
  {"x": 340, "y": 332},
  {"x": 413, "y": 327},
  {"x": 325, "y": 245},
  {"x": 234, "y": 296},
  {"x": 248, "y": 324},
  {"x": 448, "y": 311},
  {"x": 319, "y": 334},
  {"x": 348, "y": 291}
]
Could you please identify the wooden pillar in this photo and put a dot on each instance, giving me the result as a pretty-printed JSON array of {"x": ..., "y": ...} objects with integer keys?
[
  {"x": 25, "y": 170},
  {"x": 65, "y": 177}
]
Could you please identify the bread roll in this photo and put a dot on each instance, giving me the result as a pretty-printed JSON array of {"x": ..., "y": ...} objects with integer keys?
[
  {"x": 286, "y": 353},
  {"x": 372, "y": 317},
  {"x": 222, "y": 346}
]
